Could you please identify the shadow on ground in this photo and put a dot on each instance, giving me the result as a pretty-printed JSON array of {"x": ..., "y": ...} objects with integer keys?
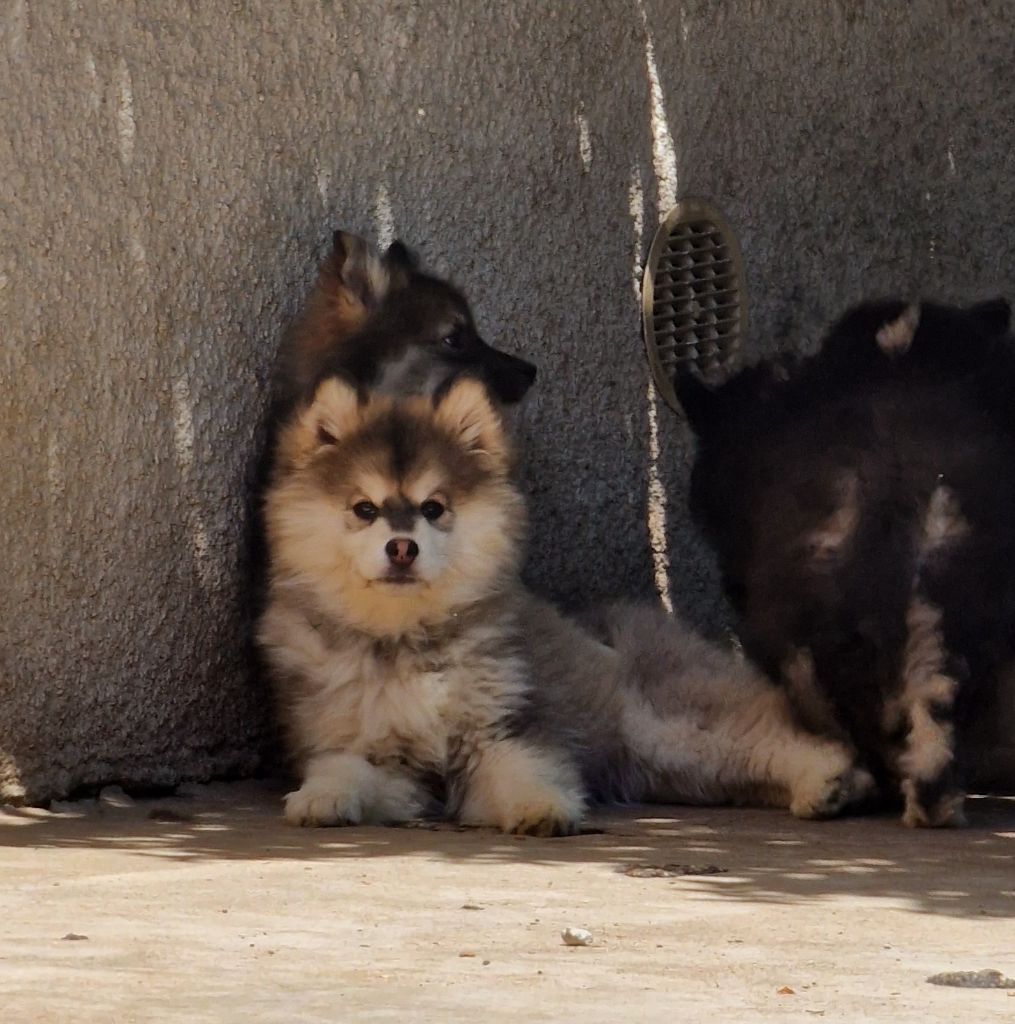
[{"x": 755, "y": 856}]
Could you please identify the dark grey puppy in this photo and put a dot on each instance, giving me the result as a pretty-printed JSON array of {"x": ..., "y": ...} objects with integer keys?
[{"x": 383, "y": 325}]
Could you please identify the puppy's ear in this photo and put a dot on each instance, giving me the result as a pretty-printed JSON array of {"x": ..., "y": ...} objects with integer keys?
[
  {"x": 336, "y": 410},
  {"x": 400, "y": 255},
  {"x": 465, "y": 411},
  {"x": 350, "y": 283},
  {"x": 358, "y": 269},
  {"x": 399, "y": 262}
]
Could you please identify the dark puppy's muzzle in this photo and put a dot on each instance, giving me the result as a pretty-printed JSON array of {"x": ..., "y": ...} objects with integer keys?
[{"x": 507, "y": 376}]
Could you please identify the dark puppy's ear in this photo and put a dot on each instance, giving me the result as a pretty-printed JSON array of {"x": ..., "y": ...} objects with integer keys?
[
  {"x": 697, "y": 399},
  {"x": 400, "y": 255},
  {"x": 358, "y": 268},
  {"x": 399, "y": 262},
  {"x": 993, "y": 314}
]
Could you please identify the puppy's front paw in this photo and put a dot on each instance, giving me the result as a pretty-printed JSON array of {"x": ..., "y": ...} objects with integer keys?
[
  {"x": 941, "y": 810},
  {"x": 345, "y": 789},
  {"x": 317, "y": 803},
  {"x": 547, "y": 820},
  {"x": 525, "y": 790},
  {"x": 825, "y": 797}
]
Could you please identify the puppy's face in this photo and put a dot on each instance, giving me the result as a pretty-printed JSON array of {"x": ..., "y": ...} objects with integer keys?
[
  {"x": 395, "y": 514},
  {"x": 415, "y": 333}
]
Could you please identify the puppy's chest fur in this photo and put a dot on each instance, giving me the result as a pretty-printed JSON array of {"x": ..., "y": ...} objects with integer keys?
[{"x": 397, "y": 701}]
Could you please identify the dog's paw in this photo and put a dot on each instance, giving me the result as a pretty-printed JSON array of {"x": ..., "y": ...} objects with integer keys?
[
  {"x": 544, "y": 810},
  {"x": 345, "y": 789},
  {"x": 946, "y": 810},
  {"x": 525, "y": 790},
  {"x": 825, "y": 797},
  {"x": 316, "y": 803},
  {"x": 546, "y": 821},
  {"x": 396, "y": 798}
]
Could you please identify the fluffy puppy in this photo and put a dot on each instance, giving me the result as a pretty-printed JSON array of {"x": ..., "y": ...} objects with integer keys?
[
  {"x": 411, "y": 665},
  {"x": 859, "y": 504}
]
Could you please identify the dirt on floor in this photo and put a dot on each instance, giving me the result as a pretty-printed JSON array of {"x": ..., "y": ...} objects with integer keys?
[{"x": 206, "y": 907}]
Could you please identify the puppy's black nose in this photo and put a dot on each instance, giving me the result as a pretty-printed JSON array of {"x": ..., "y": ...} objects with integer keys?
[{"x": 402, "y": 550}]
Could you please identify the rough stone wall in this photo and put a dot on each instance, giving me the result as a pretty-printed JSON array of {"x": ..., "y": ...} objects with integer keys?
[{"x": 169, "y": 174}]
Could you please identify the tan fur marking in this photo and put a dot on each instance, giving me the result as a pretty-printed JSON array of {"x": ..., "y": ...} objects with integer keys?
[
  {"x": 826, "y": 542},
  {"x": 929, "y": 746},
  {"x": 943, "y": 522},
  {"x": 895, "y": 337},
  {"x": 812, "y": 705}
]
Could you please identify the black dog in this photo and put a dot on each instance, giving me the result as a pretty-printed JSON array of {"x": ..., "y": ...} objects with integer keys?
[
  {"x": 860, "y": 502},
  {"x": 382, "y": 324}
]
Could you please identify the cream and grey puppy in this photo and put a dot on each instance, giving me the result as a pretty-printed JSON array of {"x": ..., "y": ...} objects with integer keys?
[{"x": 411, "y": 664}]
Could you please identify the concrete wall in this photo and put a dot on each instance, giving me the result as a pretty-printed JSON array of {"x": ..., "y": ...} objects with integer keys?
[{"x": 169, "y": 175}]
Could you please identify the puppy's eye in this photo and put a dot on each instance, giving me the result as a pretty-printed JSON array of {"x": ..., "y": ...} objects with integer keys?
[
  {"x": 456, "y": 341},
  {"x": 431, "y": 510},
  {"x": 365, "y": 510}
]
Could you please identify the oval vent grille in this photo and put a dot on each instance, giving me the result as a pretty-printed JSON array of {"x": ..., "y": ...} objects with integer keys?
[{"x": 693, "y": 296}]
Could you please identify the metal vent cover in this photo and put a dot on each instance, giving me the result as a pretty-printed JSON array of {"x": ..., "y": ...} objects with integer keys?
[{"x": 693, "y": 296}]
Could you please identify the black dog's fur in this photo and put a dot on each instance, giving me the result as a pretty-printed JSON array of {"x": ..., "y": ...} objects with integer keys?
[{"x": 862, "y": 506}]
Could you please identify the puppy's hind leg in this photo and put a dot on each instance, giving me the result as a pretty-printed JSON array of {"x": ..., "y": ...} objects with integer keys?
[
  {"x": 816, "y": 777},
  {"x": 927, "y": 764},
  {"x": 821, "y": 776},
  {"x": 804, "y": 758},
  {"x": 747, "y": 752}
]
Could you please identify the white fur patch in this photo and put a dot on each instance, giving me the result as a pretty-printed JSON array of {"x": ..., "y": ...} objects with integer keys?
[
  {"x": 895, "y": 337},
  {"x": 349, "y": 699}
]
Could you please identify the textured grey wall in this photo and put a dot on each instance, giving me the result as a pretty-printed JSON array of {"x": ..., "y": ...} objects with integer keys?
[{"x": 170, "y": 173}]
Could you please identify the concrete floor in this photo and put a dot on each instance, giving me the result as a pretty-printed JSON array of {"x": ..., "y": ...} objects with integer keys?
[{"x": 204, "y": 907}]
